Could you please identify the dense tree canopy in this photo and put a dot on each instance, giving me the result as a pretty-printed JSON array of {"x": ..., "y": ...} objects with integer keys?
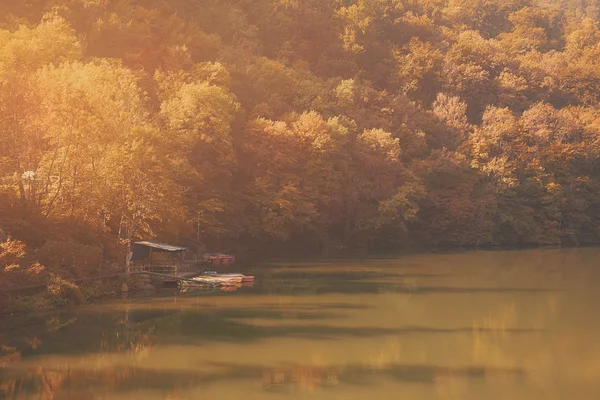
[{"x": 333, "y": 123}]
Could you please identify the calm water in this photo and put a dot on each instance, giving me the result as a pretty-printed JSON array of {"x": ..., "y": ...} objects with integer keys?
[{"x": 480, "y": 325}]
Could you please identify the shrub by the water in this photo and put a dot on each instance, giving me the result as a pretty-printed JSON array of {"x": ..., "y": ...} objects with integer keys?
[{"x": 63, "y": 292}]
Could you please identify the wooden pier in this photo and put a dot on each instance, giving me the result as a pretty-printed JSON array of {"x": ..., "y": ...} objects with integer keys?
[{"x": 171, "y": 278}]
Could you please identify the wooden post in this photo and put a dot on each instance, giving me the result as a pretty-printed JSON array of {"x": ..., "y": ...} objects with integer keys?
[
  {"x": 181, "y": 261},
  {"x": 124, "y": 287},
  {"x": 128, "y": 261}
]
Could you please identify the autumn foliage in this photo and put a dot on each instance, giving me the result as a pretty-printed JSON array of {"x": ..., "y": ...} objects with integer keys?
[{"x": 335, "y": 124}]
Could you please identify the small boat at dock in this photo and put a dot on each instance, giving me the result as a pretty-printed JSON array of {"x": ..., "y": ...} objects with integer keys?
[
  {"x": 216, "y": 259},
  {"x": 244, "y": 278},
  {"x": 211, "y": 278}
]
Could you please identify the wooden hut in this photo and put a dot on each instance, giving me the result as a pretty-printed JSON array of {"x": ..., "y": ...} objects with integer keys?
[{"x": 157, "y": 257}]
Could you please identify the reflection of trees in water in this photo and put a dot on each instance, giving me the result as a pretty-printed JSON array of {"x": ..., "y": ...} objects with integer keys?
[
  {"x": 44, "y": 383},
  {"x": 78, "y": 383},
  {"x": 493, "y": 344},
  {"x": 448, "y": 381},
  {"x": 54, "y": 323},
  {"x": 135, "y": 332},
  {"x": 554, "y": 352},
  {"x": 67, "y": 383},
  {"x": 336, "y": 280},
  {"x": 192, "y": 289},
  {"x": 511, "y": 327},
  {"x": 128, "y": 340},
  {"x": 307, "y": 378}
]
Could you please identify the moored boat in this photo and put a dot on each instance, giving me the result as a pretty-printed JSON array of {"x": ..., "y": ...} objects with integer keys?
[
  {"x": 236, "y": 275},
  {"x": 216, "y": 259},
  {"x": 220, "y": 279},
  {"x": 211, "y": 278}
]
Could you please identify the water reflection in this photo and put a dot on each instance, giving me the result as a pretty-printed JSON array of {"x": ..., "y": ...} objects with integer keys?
[{"x": 493, "y": 325}]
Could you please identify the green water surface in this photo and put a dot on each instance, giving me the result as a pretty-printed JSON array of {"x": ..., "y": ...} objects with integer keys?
[{"x": 484, "y": 325}]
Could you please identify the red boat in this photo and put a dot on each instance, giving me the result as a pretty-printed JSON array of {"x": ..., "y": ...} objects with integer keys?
[{"x": 214, "y": 259}]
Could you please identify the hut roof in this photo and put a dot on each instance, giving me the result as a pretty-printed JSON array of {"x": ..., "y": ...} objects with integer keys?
[{"x": 161, "y": 246}]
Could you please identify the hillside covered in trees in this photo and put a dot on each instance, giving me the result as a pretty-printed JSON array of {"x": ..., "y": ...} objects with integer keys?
[{"x": 327, "y": 124}]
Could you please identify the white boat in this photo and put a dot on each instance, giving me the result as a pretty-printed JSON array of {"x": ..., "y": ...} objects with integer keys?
[
  {"x": 214, "y": 279},
  {"x": 228, "y": 275}
]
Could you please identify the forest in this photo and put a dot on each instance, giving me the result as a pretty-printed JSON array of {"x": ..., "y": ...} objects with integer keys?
[{"x": 296, "y": 126}]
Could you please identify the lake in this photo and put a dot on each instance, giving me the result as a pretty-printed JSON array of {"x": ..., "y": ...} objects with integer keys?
[{"x": 474, "y": 325}]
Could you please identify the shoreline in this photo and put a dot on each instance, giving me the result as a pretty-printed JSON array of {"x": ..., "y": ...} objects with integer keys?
[{"x": 42, "y": 301}]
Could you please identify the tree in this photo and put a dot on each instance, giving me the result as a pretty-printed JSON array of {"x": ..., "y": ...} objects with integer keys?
[
  {"x": 25, "y": 51},
  {"x": 382, "y": 193},
  {"x": 324, "y": 123},
  {"x": 459, "y": 209},
  {"x": 296, "y": 182},
  {"x": 197, "y": 112}
]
